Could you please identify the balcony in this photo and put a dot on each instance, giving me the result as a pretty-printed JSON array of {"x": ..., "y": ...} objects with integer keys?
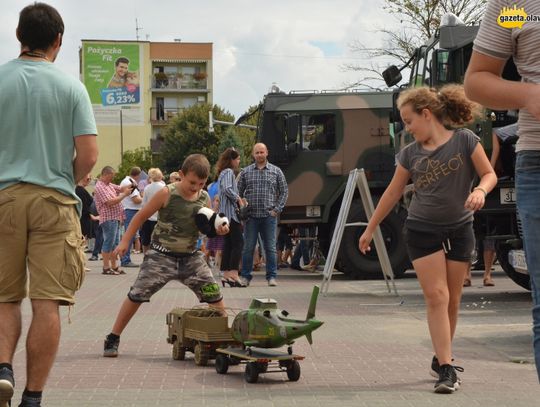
[
  {"x": 163, "y": 116},
  {"x": 173, "y": 83}
]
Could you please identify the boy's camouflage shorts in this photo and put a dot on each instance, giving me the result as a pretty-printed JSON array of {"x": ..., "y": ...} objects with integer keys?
[{"x": 157, "y": 269}]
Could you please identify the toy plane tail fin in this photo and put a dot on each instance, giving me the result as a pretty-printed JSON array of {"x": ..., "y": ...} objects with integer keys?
[{"x": 313, "y": 303}]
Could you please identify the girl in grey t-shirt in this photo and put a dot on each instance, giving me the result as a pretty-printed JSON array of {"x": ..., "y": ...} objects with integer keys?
[{"x": 442, "y": 164}]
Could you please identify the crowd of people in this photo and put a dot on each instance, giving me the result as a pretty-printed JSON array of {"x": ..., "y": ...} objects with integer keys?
[{"x": 45, "y": 204}]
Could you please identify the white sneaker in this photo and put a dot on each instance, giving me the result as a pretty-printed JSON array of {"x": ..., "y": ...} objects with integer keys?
[
  {"x": 272, "y": 282},
  {"x": 244, "y": 281}
]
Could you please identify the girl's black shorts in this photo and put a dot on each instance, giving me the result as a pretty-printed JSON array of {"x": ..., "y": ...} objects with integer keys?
[{"x": 425, "y": 239}]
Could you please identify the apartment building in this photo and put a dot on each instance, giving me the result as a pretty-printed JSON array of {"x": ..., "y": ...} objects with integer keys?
[{"x": 138, "y": 87}]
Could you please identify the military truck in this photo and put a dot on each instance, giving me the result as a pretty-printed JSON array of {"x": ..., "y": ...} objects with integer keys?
[
  {"x": 198, "y": 330},
  {"x": 317, "y": 138},
  {"x": 444, "y": 59}
]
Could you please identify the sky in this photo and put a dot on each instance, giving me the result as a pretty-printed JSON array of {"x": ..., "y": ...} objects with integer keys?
[{"x": 296, "y": 44}]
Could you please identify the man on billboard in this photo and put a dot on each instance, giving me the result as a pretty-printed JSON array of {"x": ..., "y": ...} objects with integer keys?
[{"x": 119, "y": 78}]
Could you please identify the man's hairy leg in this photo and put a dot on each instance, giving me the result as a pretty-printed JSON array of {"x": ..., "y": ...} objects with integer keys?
[
  {"x": 10, "y": 330},
  {"x": 42, "y": 342}
]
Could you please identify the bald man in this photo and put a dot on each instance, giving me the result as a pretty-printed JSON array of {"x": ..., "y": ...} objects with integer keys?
[{"x": 264, "y": 187}]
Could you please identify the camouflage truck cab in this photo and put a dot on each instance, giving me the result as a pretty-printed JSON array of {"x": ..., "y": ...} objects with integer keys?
[{"x": 317, "y": 139}]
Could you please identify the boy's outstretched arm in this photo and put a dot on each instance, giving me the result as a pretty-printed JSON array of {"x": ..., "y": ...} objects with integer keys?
[{"x": 155, "y": 204}]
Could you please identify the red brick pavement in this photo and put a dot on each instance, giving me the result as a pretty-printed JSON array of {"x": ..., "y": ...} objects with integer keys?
[{"x": 371, "y": 351}]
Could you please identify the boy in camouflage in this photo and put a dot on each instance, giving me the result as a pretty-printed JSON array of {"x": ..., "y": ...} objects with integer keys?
[{"x": 173, "y": 254}]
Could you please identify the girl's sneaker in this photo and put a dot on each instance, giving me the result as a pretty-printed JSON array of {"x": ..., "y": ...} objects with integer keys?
[
  {"x": 448, "y": 381},
  {"x": 435, "y": 368},
  {"x": 434, "y": 371}
]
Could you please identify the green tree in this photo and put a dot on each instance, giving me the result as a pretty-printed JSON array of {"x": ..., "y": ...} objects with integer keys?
[
  {"x": 248, "y": 137},
  {"x": 418, "y": 20},
  {"x": 188, "y": 134},
  {"x": 140, "y": 157},
  {"x": 229, "y": 139}
]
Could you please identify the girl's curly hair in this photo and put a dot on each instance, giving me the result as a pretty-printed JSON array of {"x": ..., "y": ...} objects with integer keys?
[{"x": 448, "y": 104}]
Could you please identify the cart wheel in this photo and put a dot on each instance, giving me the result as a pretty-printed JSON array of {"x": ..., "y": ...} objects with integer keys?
[
  {"x": 262, "y": 366},
  {"x": 252, "y": 372},
  {"x": 201, "y": 354},
  {"x": 293, "y": 371},
  {"x": 178, "y": 351},
  {"x": 222, "y": 363}
]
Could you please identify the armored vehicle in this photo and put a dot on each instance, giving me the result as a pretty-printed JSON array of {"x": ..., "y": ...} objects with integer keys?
[
  {"x": 317, "y": 138},
  {"x": 444, "y": 59},
  {"x": 200, "y": 331}
]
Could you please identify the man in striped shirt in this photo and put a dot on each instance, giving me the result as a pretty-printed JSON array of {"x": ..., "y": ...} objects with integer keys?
[
  {"x": 264, "y": 187},
  {"x": 493, "y": 46}
]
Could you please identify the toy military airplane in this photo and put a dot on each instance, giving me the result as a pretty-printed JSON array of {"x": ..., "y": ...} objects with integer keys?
[{"x": 263, "y": 325}]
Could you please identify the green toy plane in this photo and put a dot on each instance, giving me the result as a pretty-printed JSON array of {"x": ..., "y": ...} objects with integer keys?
[{"x": 263, "y": 325}]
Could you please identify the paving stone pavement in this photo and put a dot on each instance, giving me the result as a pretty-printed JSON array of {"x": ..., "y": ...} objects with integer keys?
[{"x": 373, "y": 350}]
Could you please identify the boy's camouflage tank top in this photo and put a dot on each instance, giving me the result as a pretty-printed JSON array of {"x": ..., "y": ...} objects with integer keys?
[{"x": 175, "y": 229}]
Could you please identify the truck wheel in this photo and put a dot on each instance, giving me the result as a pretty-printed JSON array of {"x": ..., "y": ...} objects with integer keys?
[
  {"x": 293, "y": 371},
  {"x": 222, "y": 363},
  {"x": 178, "y": 351},
  {"x": 360, "y": 266},
  {"x": 201, "y": 354},
  {"x": 503, "y": 252},
  {"x": 252, "y": 372}
]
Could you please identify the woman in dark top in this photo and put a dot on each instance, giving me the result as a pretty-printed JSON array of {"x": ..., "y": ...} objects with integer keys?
[
  {"x": 86, "y": 198},
  {"x": 229, "y": 201}
]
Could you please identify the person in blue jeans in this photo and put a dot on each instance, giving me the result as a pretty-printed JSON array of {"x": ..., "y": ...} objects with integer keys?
[
  {"x": 98, "y": 244},
  {"x": 484, "y": 83},
  {"x": 132, "y": 204},
  {"x": 264, "y": 187},
  {"x": 98, "y": 232},
  {"x": 301, "y": 250}
]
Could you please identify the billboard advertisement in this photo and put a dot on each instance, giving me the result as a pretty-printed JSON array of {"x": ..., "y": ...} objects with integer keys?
[{"x": 112, "y": 74}]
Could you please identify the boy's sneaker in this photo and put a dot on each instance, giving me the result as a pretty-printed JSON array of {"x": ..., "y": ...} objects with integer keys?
[
  {"x": 110, "y": 347},
  {"x": 6, "y": 386},
  {"x": 448, "y": 381},
  {"x": 272, "y": 282}
]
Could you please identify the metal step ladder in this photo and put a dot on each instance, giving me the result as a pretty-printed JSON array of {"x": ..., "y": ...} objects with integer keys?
[{"x": 357, "y": 179}]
